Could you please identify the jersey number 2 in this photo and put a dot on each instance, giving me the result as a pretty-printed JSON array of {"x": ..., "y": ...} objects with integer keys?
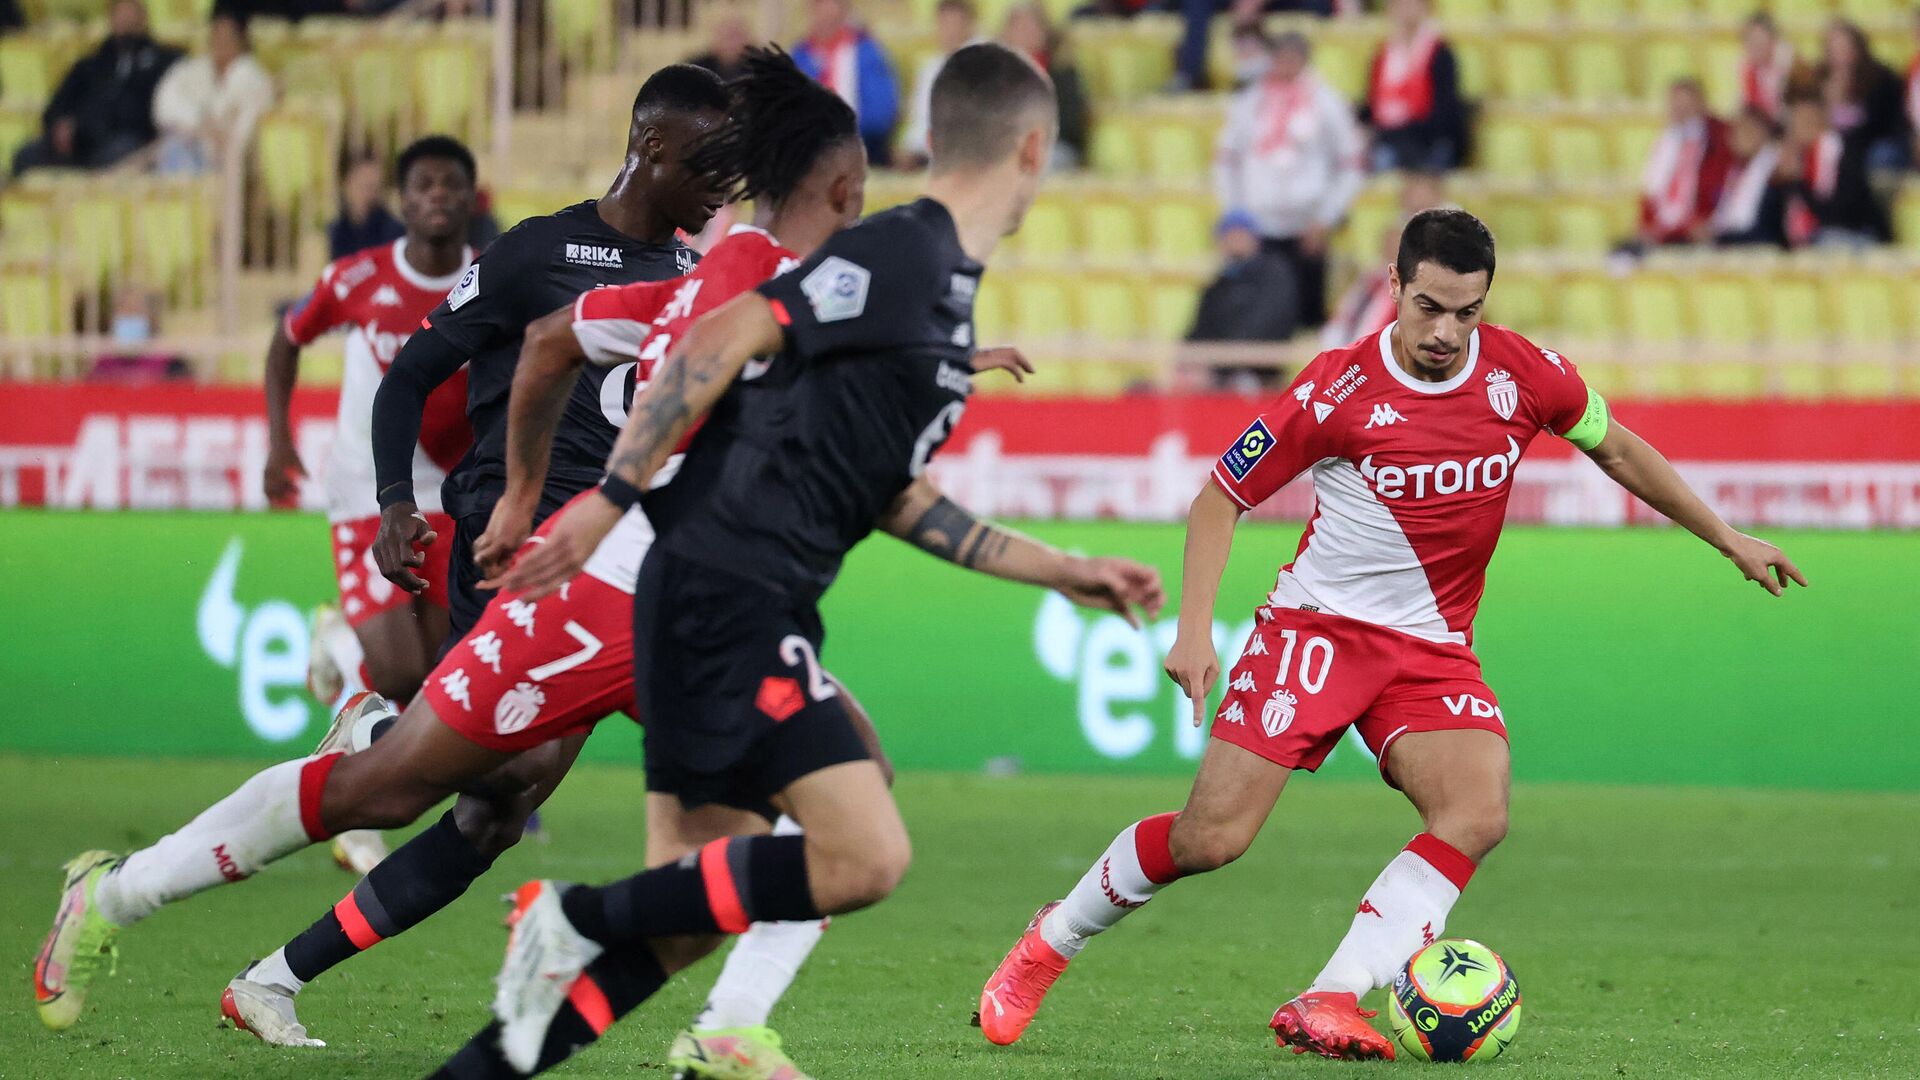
[{"x": 793, "y": 650}]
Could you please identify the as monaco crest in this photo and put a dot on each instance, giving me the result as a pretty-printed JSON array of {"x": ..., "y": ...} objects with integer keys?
[
  {"x": 518, "y": 708},
  {"x": 1502, "y": 394},
  {"x": 1277, "y": 715}
]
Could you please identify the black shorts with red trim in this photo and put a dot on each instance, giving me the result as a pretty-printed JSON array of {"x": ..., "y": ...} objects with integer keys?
[{"x": 728, "y": 674}]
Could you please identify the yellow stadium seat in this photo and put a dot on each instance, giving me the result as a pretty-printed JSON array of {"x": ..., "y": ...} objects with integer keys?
[
  {"x": 1633, "y": 141},
  {"x": 94, "y": 240},
  {"x": 1345, "y": 63},
  {"x": 1180, "y": 228},
  {"x": 1476, "y": 67},
  {"x": 1601, "y": 12},
  {"x": 1656, "y": 309},
  {"x": 18, "y": 126},
  {"x": 27, "y": 77},
  {"x": 1518, "y": 224},
  {"x": 380, "y": 89},
  {"x": 1811, "y": 12},
  {"x": 32, "y": 303},
  {"x": 1726, "y": 327},
  {"x": 448, "y": 82},
  {"x": 1874, "y": 10},
  {"x": 1586, "y": 227},
  {"x": 1597, "y": 71},
  {"x": 1664, "y": 59},
  {"x": 1589, "y": 307},
  {"x": 1577, "y": 154},
  {"x": 1041, "y": 306},
  {"x": 167, "y": 226},
  {"x": 1509, "y": 148},
  {"x": 1134, "y": 67},
  {"x": 1171, "y": 303},
  {"x": 1365, "y": 224},
  {"x": 1533, "y": 12},
  {"x": 293, "y": 150},
  {"x": 1726, "y": 12},
  {"x": 1109, "y": 308},
  {"x": 991, "y": 312},
  {"x": 581, "y": 29},
  {"x": 1110, "y": 230},
  {"x": 1796, "y": 324},
  {"x": 511, "y": 206},
  {"x": 1721, "y": 74},
  {"x": 27, "y": 230},
  {"x": 1528, "y": 71},
  {"x": 1113, "y": 149},
  {"x": 1865, "y": 308},
  {"x": 1047, "y": 232},
  {"x": 1177, "y": 153},
  {"x": 1906, "y": 219},
  {"x": 1520, "y": 300},
  {"x": 1455, "y": 10}
]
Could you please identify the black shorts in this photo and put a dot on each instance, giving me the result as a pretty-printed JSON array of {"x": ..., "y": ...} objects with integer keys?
[
  {"x": 466, "y": 600},
  {"x": 729, "y": 686}
]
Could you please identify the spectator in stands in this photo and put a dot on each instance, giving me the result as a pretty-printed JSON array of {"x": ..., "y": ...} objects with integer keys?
[
  {"x": 847, "y": 60},
  {"x": 1028, "y": 30},
  {"x": 726, "y": 46},
  {"x": 1252, "y": 298},
  {"x": 1290, "y": 155},
  {"x": 955, "y": 23},
  {"x": 364, "y": 220},
  {"x": 1190, "y": 56},
  {"x": 1753, "y": 202},
  {"x": 1367, "y": 305},
  {"x": 1681, "y": 183},
  {"x": 1422, "y": 191},
  {"x": 1768, "y": 67},
  {"x": 1413, "y": 94},
  {"x": 103, "y": 110},
  {"x": 207, "y": 104},
  {"x": 1829, "y": 197},
  {"x": 1863, "y": 98}
]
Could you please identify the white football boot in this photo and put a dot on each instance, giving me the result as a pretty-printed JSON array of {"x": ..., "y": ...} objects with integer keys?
[
  {"x": 545, "y": 956},
  {"x": 264, "y": 1011}
]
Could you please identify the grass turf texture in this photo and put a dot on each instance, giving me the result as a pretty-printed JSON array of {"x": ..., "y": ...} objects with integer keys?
[{"x": 1655, "y": 932}]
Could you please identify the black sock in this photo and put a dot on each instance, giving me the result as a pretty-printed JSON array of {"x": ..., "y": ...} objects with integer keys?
[
  {"x": 426, "y": 874},
  {"x": 753, "y": 879},
  {"x": 625, "y": 978}
]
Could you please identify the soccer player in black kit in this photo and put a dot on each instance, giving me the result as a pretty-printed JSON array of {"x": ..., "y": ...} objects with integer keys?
[{"x": 864, "y": 372}]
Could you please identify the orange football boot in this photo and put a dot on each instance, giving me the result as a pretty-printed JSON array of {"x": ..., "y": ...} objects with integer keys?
[
  {"x": 1332, "y": 1025},
  {"x": 1014, "y": 992}
]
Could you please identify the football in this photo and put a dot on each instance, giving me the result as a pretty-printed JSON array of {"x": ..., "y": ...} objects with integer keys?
[{"x": 1455, "y": 1000}]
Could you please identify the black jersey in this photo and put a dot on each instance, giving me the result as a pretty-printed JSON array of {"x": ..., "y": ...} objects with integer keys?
[
  {"x": 538, "y": 266},
  {"x": 810, "y": 446}
]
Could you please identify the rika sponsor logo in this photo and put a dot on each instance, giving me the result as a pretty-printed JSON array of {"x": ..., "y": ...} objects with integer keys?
[
  {"x": 1384, "y": 414},
  {"x": 1113, "y": 895},
  {"x": 1441, "y": 478},
  {"x": 1502, "y": 393},
  {"x": 604, "y": 256}
]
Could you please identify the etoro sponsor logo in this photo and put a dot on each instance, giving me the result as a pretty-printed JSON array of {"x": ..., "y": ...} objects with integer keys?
[
  {"x": 265, "y": 645},
  {"x": 1441, "y": 478}
]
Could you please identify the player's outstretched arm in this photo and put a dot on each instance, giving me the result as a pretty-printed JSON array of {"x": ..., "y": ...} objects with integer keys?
[
  {"x": 1193, "y": 663},
  {"x": 1638, "y": 467},
  {"x": 425, "y": 361},
  {"x": 284, "y": 468},
  {"x": 925, "y": 517},
  {"x": 550, "y": 360},
  {"x": 701, "y": 366}
]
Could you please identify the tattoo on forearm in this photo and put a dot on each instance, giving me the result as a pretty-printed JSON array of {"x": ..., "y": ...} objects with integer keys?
[
  {"x": 951, "y": 533},
  {"x": 660, "y": 416}
]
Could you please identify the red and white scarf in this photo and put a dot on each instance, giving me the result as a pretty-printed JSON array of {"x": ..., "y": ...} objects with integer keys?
[
  {"x": 1286, "y": 114},
  {"x": 1822, "y": 172},
  {"x": 1672, "y": 180},
  {"x": 1402, "y": 83},
  {"x": 1913, "y": 94},
  {"x": 840, "y": 64},
  {"x": 1765, "y": 85}
]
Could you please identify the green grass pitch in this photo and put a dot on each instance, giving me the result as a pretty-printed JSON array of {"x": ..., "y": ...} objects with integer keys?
[{"x": 1655, "y": 932}]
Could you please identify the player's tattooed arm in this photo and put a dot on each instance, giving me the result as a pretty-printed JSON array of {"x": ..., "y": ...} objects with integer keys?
[
  {"x": 549, "y": 364},
  {"x": 925, "y": 517}
]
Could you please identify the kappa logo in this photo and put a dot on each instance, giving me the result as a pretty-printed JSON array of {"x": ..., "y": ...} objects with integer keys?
[
  {"x": 837, "y": 289},
  {"x": 386, "y": 296},
  {"x": 1502, "y": 393},
  {"x": 1366, "y": 908},
  {"x": 518, "y": 708},
  {"x": 1234, "y": 714},
  {"x": 607, "y": 257},
  {"x": 1555, "y": 359},
  {"x": 1276, "y": 715},
  {"x": 1384, "y": 414},
  {"x": 1302, "y": 393},
  {"x": 1243, "y": 683}
]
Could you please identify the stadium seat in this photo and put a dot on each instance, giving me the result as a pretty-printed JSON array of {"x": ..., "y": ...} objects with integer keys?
[
  {"x": 293, "y": 150},
  {"x": 1365, "y": 224},
  {"x": 1520, "y": 300},
  {"x": 1589, "y": 309},
  {"x": 381, "y": 92},
  {"x": 1041, "y": 306},
  {"x": 1110, "y": 229},
  {"x": 1809, "y": 12},
  {"x": 1597, "y": 70},
  {"x": 1664, "y": 59},
  {"x": 18, "y": 126},
  {"x": 1518, "y": 224},
  {"x": 1113, "y": 150},
  {"x": 1589, "y": 226},
  {"x": 1109, "y": 308},
  {"x": 1865, "y": 308},
  {"x": 1171, "y": 303},
  {"x": 1177, "y": 153},
  {"x": 1530, "y": 12},
  {"x": 1906, "y": 219},
  {"x": 991, "y": 316},
  {"x": 94, "y": 239},
  {"x": 1721, "y": 74},
  {"x": 582, "y": 30},
  {"x": 1476, "y": 67},
  {"x": 1577, "y": 154},
  {"x": 1047, "y": 232},
  {"x": 511, "y": 206},
  {"x": 1726, "y": 326},
  {"x": 27, "y": 76},
  {"x": 1796, "y": 327},
  {"x": 1632, "y": 140},
  {"x": 1509, "y": 149},
  {"x": 449, "y": 80},
  {"x": 1528, "y": 71},
  {"x": 32, "y": 302},
  {"x": 167, "y": 227},
  {"x": 27, "y": 230},
  {"x": 1460, "y": 10},
  {"x": 1657, "y": 309},
  {"x": 1602, "y": 12},
  {"x": 1345, "y": 63},
  {"x": 1180, "y": 228}
]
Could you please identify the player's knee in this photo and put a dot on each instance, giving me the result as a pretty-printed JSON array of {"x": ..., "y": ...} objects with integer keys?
[
  {"x": 1474, "y": 833},
  {"x": 396, "y": 678},
  {"x": 1199, "y": 847},
  {"x": 393, "y": 807},
  {"x": 866, "y": 875},
  {"x": 491, "y": 827}
]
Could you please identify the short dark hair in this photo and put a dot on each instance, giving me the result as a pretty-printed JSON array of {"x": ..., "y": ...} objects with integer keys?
[
  {"x": 981, "y": 98},
  {"x": 1452, "y": 238},
  {"x": 437, "y": 147},
  {"x": 780, "y": 124},
  {"x": 681, "y": 88}
]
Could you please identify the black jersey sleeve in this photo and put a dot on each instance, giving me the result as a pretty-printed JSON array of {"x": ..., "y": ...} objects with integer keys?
[
  {"x": 425, "y": 361},
  {"x": 867, "y": 288},
  {"x": 491, "y": 302}
]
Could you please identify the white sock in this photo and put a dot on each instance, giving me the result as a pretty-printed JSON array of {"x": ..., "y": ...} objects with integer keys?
[
  {"x": 761, "y": 966},
  {"x": 230, "y": 840},
  {"x": 273, "y": 971},
  {"x": 1134, "y": 867},
  {"x": 343, "y": 645},
  {"x": 1404, "y": 910}
]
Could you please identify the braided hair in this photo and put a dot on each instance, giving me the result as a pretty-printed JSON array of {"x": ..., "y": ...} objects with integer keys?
[{"x": 778, "y": 125}]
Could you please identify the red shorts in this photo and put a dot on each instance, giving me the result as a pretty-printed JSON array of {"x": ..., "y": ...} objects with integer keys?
[
  {"x": 364, "y": 592},
  {"x": 1306, "y": 677},
  {"x": 529, "y": 673}
]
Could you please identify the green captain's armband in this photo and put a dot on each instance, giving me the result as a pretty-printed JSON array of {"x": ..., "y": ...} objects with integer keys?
[{"x": 1592, "y": 425}]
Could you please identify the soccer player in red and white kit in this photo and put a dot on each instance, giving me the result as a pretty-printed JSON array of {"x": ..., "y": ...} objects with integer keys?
[
  {"x": 1411, "y": 436},
  {"x": 379, "y": 296}
]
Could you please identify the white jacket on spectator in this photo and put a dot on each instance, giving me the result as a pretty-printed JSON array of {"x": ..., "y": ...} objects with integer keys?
[
  {"x": 192, "y": 99},
  {"x": 1291, "y": 154}
]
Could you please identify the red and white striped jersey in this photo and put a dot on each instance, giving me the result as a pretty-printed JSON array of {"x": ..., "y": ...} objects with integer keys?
[
  {"x": 1410, "y": 478},
  {"x": 381, "y": 299},
  {"x": 636, "y": 325}
]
